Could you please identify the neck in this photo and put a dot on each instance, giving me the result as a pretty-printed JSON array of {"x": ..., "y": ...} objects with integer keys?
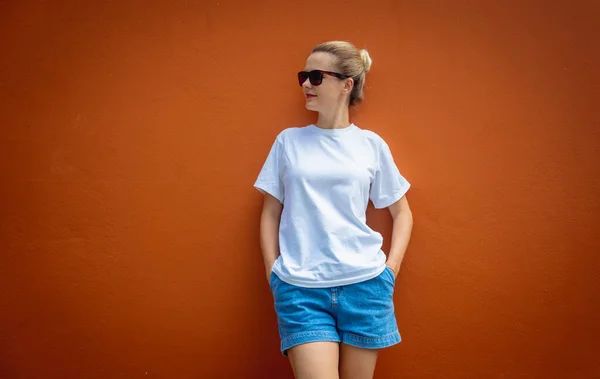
[{"x": 337, "y": 119}]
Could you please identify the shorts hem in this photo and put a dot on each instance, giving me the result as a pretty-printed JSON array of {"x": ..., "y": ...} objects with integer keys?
[
  {"x": 306, "y": 337},
  {"x": 371, "y": 342}
]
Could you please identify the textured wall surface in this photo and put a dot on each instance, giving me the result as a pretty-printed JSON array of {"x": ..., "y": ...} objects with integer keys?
[{"x": 131, "y": 133}]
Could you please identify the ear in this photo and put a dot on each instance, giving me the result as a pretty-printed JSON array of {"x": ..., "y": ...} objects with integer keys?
[{"x": 348, "y": 85}]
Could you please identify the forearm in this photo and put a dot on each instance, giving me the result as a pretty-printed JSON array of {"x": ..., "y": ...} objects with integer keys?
[
  {"x": 401, "y": 231},
  {"x": 269, "y": 238}
]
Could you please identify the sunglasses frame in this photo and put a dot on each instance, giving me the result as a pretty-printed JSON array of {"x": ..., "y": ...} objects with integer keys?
[{"x": 303, "y": 75}]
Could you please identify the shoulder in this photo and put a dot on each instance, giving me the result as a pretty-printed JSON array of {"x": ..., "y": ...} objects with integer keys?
[
  {"x": 291, "y": 133},
  {"x": 372, "y": 137}
]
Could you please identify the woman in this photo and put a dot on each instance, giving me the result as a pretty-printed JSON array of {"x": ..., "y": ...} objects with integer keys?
[{"x": 331, "y": 282}]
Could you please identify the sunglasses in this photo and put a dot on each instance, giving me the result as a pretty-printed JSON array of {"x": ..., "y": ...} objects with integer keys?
[{"x": 316, "y": 76}]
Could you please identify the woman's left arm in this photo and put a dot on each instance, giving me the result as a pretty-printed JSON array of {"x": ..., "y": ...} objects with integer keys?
[{"x": 402, "y": 228}]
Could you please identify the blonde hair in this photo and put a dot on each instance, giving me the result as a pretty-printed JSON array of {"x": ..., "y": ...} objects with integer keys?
[{"x": 350, "y": 62}]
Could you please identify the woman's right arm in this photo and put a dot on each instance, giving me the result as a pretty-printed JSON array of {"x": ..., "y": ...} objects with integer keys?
[{"x": 269, "y": 231}]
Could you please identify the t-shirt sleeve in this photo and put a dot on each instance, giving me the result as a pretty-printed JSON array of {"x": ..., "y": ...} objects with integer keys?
[
  {"x": 389, "y": 185},
  {"x": 270, "y": 178}
]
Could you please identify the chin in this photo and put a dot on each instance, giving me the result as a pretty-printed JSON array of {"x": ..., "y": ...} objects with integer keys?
[{"x": 312, "y": 107}]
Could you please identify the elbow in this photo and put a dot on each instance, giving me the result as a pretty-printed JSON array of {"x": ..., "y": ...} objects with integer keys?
[
  {"x": 410, "y": 218},
  {"x": 405, "y": 216}
]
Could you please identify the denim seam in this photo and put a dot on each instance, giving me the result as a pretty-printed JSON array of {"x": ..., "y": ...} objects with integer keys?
[
  {"x": 387, "y": 337},
  {"x": 372, "y": 343},
  {"x": 333, "y": 304}
]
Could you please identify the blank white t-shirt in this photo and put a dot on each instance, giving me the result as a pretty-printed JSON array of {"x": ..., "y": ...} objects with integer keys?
[{"x": 324, "y": 178}]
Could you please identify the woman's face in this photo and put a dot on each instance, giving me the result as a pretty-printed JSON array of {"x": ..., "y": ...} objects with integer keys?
[{"x": 332, "y": 91}]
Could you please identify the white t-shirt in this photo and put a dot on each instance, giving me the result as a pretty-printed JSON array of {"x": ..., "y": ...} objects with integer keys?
[{"x": 324, "y": 178}]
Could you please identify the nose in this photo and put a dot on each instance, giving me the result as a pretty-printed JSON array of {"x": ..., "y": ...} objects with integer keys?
[{"x": 306, "y": 84}]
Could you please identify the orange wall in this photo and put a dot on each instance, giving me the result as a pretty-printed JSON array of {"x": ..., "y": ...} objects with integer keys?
[{"x": 132, "y": 133}]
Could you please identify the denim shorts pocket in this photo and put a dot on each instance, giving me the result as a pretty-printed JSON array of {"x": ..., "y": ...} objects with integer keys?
[{"x": 391, "y": 277}]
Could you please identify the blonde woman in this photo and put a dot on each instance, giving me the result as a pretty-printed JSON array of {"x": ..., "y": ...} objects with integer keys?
[{"x": 332, "y": 284}]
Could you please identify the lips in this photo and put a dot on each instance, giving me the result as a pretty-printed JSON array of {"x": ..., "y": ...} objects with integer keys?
[{"x": 310, "y": 95}]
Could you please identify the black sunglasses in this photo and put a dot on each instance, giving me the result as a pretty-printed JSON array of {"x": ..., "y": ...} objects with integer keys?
[{"x": 316, "y": 76}]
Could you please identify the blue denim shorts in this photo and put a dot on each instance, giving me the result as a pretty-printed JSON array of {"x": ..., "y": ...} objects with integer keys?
[{"x": 360, "y": 314}]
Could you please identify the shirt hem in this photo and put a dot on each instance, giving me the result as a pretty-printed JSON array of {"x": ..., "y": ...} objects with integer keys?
[
  {"x": 328, "y": 284},
  {"x": 263, "y": 188},
  {"x": 397, "y": 196}
]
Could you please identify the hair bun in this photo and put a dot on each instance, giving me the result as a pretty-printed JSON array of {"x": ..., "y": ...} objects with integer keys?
[{"x": 366, "y": 58}]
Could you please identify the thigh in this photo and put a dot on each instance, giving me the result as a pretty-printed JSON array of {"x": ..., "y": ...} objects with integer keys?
[
  {"x": 315, "y": 360},
  {"x": 357, "y": 363}
]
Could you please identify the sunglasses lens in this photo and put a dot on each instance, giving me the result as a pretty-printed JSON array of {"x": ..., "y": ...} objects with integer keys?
[
  {"x": 316, "y": 77},
  {"x": 302, "y": 76}
]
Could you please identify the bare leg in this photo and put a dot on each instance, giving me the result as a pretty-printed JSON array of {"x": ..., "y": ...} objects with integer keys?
[
  {"x": 357, "y": 363},
  {"x": 315, "y": 360}
]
